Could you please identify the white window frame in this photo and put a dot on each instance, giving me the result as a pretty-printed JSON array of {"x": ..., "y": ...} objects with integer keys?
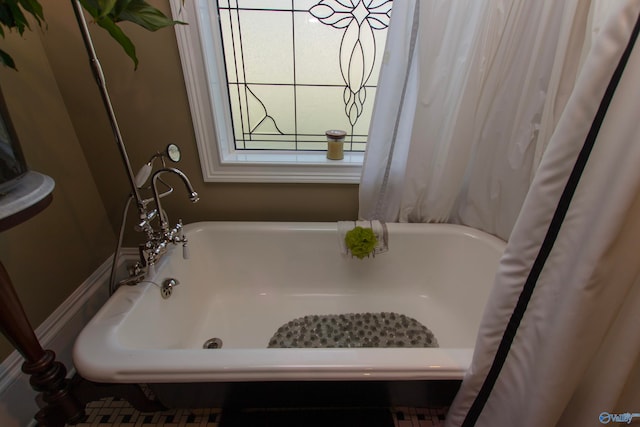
[{"x": 206, "y": 85}]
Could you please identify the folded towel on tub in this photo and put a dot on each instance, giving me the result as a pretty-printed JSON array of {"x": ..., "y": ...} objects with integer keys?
[{"x": 379, "y": 229}]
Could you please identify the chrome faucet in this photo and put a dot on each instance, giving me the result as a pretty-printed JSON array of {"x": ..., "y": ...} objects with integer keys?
[
  {"x": 160, "y": 236},
  {"x": 157, "y": 241},
  {"x": 193, "y": 196}
]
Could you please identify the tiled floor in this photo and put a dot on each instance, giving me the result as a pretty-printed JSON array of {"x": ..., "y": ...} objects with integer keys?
[
  {"x": 114, "y": 412},
  {"x": 419, "y": 417},
  {"x": 111, "y": 412}
]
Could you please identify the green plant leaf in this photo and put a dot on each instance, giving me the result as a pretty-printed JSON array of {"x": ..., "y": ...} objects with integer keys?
[
  {"x": 106, "y": 13},
  {"x": 141, "y": 13},
  {"x": 92, "y": 7},
  {"x": 6, "y": 60},
  {"x": 119, "y": 36},
  {"x": 106, "y": 7},
  {"x": 120, "y": 6},
  {"x": 34, "y": 8},
  {"x": 12, "y": 16},
  {"x": 19, "y": 20},
  {"x": 5, "y": 16}
]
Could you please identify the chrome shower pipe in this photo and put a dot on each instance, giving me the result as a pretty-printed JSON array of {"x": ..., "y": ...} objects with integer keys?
[{"x": 96, "y": 68}]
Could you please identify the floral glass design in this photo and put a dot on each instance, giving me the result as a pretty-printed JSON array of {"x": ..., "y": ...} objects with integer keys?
[
  {"x": 359, "y": 18},
  {"x": 296, "y": 68}
]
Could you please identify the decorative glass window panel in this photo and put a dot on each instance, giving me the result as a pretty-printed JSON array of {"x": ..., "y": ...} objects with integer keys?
[{"x": 297, "y": 68}]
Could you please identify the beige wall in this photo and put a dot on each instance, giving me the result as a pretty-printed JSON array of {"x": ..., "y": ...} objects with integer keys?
[
  {"x": 66, "y": 134},
  {"x": 48, "y": 256},
  {"x": 152, "y": 109}
]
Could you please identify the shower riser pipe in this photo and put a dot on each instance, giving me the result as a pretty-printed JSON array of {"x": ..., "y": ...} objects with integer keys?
[{"x": 96, "y": 68}]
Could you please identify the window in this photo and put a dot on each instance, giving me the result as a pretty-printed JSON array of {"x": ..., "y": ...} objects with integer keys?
[{"x": 267, "y": 78}]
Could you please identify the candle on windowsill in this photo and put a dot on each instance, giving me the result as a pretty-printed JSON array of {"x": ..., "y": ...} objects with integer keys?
[{"x": 335, "y": 144}]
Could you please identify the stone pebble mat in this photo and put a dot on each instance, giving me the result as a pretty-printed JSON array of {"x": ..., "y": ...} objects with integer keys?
[{"x": 353, "y": 330}]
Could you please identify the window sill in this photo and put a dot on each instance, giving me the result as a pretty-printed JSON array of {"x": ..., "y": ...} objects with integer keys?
[{"x": 284, "y": 167}]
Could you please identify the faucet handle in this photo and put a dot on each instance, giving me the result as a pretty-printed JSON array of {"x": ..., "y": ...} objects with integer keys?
[
  {"x": 185, "y": 250},
  {"x": 182, "y": 238},
  {"x": 145, "y": 221}
]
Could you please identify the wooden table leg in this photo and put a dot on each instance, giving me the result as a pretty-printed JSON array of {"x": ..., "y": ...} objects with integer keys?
[{"x": 47, "y": 375}]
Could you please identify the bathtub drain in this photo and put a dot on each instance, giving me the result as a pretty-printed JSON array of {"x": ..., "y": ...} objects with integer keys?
[{"x": 212, "y": 343}]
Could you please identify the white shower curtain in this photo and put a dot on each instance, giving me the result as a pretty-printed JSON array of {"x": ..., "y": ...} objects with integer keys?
[
  {"x": 468, "y": 96},
  {"x": 490, "y": 137},
  {"x": 559, "y": 344}
]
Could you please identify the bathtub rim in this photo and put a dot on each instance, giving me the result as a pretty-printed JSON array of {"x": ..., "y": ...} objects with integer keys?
[
  {"x": 459, "y": 229},
  {"x": 280, "y": 365}
]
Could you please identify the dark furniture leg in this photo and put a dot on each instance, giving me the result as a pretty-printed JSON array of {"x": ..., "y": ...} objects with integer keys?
[
  {"x": 61, "y": 400},
  {"x": 47, "y": 375}
]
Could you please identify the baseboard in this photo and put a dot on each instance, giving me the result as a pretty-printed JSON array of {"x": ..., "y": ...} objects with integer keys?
[{"x": 58, "y": 333}]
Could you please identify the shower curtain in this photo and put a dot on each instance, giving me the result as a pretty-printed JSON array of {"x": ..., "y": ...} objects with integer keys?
[
  {"x": 556, "y": 170},
  {"x": 468, "y": 96},
  {"x": 559, "y": 344}
]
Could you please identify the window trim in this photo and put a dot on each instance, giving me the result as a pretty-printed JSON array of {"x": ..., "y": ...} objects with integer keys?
[{"x": 220, "y": 162}]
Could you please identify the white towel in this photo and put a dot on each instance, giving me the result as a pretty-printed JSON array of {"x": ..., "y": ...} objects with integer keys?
[{"x": 379, "y": 229}]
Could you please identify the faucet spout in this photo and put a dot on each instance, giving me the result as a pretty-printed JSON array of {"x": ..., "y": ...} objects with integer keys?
[{"x": 193, "y": 195}]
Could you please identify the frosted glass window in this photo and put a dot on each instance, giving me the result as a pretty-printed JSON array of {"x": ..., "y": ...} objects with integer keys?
[{"x": 296, "y": 68}]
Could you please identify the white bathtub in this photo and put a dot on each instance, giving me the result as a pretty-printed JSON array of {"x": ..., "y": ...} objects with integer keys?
[{"x": 244, "y": 280}]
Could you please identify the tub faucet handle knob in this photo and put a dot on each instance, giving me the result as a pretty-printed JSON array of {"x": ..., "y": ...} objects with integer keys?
[{"x": 185, "y": 250}]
